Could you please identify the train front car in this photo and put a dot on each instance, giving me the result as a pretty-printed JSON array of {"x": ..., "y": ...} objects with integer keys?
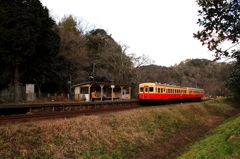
[
  {"x": 157, "y": 92},
  {"x": 147, "y": 93}
]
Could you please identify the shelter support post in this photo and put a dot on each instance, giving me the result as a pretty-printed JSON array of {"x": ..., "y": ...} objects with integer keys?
[
  {"x": 101, "y": 92},
  {"x": 130, "y": 92}
]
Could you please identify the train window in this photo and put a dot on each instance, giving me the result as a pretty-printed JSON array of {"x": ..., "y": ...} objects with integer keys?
[
  {"x": 150, "y": 89},
  {"x": 141, "y": 89},
  {"x": 158, "y": 90},
  {"x": 161, "y": 90}
]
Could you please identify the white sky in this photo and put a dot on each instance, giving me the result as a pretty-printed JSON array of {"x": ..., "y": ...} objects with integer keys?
[{"x": 161, "y": 29}]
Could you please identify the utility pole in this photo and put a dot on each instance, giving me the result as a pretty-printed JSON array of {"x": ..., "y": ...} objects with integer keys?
[{"x": 93, "y": 74}]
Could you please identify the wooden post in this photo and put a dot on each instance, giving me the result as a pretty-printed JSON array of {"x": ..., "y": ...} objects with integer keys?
[
  {"x": 101, "y": 91},
  {"x": 121, "y": 92},
  {"x": 130, "y": 92},
  {"x": 112, "y": 86},
  {"x": 89, "y": 92}
]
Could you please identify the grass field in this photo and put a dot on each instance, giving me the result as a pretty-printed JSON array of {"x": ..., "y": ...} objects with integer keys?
[
  {"x": 124, "y": 134},
  {"x": 222, "y": 143}
]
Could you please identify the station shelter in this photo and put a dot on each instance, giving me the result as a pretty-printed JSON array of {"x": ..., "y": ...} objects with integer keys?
[{"x": 104, "y": 91}]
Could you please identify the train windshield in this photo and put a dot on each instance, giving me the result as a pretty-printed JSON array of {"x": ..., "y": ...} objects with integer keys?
[{"x": 141, "y": 89}]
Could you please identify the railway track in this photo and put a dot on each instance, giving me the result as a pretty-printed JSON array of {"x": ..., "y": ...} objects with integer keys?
[
  {"x": 47, "y": 115},
  {"x": 46, "y": 111}
]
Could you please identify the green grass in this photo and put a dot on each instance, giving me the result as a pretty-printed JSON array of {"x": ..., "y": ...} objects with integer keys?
[{"x": 222, "y": 143}]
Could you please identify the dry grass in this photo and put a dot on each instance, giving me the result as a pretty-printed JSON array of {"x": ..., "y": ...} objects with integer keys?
[{"x": 115, "y": 135}]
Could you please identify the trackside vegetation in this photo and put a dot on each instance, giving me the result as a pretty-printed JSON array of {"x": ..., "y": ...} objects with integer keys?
[
  {"x": 126, "y": 134},
  {"x": 222, "y": 143}
]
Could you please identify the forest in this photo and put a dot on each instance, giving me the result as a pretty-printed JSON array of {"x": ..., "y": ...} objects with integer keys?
[{"x": 36, "y": 49}]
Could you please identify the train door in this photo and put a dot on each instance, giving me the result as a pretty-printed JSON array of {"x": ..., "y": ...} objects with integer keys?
[{"x": 146, "y": 92}]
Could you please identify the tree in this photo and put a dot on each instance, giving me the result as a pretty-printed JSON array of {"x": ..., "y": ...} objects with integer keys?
[
  {"x": 221, "y": 23},
  {"x": 220, "y": 20},
  {"x": 72, "y": 50},
  {"x": 233, "y": 82},
  {"x": 139, "y": 62},
  {"x": 108, "y": 58},
  {"x": 28, "y": 42}
]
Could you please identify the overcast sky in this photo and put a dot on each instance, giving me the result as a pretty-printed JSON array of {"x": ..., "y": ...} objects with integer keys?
[{"x": 161, "y": 29}]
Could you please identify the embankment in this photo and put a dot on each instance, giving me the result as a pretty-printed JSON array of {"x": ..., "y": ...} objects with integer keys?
[{"x": 148, "y": 132}]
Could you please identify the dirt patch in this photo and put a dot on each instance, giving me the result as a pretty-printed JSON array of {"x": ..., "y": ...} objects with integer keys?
[{"x": 175, "y": 145}]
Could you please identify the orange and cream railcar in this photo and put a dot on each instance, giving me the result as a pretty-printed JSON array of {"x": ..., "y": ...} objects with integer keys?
[{"x": 158, "y": 91}]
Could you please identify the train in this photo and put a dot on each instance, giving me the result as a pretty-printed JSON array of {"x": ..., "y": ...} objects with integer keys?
[{"x": 157, "y": 92}]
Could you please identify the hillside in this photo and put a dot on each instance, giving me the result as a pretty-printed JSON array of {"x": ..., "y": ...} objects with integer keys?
[
  {"x": 202, "y": 73},
  {"x": 161, "y": 131}
]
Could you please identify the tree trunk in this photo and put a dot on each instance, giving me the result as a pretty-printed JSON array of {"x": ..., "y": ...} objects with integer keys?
[{"x": 16, "y": 84}]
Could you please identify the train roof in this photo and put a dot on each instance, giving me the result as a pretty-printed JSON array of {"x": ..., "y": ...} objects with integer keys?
[{"x": 168, "y": 85}]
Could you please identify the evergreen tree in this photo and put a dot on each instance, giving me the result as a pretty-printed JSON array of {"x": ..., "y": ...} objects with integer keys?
[{"x": 28, "y": 42}]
